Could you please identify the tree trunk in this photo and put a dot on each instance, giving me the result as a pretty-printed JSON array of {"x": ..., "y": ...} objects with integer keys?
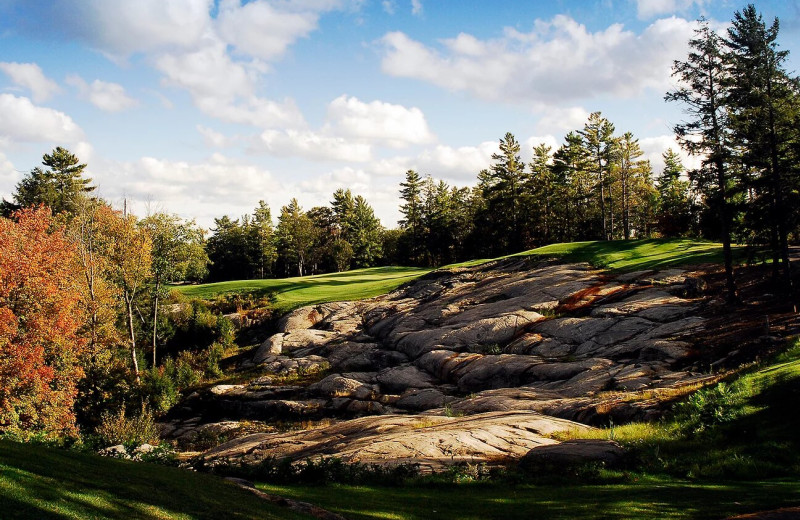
[
  {"x": 129, "y": 307},
  {"x": 779, "y": 217},
  {"x": 730, "y": 281},
  {"x": 155, "y": 321}
]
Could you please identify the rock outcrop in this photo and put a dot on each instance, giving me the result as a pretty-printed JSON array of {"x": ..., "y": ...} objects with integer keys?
[{"x": 514, "y": 347}]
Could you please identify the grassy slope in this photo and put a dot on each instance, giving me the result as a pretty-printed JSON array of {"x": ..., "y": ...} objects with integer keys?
[
  {"x": 43, "y": 483},
  {"x": 619, "y": 255},
  {"x": 646, "y": 499}
]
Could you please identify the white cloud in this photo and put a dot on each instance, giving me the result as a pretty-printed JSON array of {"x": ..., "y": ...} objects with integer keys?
[
  {"x": 351, "y": 130},
  {"x": 109, "y": 97},
  {"x": 212, "y": 138},
  {"x": 30, "y": 76},
  {"x": 122, "y": 28},
  {"x": 260, "y": 29},
  {"x": 647, "y": 9},
  {"x": 654, "y": 147},
  {"x": 8, "y": 177},
  {"x": 208, "y": 71},
  {"x": 314, "y": 146},
  {"x": 395, "y": 125},
  {"x": 224, "y": 89},
  {"x": 356, "y": 180},
  {"x": 558, "y": 61},
  {"x": 554, "y": 119},
  {"x": 202, "y": 190},
  {"x": 416, "y": 7},
  {"x": 22, "y": 121},
  {"x": 389, "y": 6}
]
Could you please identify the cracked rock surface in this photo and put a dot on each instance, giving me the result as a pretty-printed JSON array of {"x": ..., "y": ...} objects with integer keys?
[{"x": 493, "y": 357}]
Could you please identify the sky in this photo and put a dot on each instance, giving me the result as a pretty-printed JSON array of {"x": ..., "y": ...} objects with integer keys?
[{"x": 204, "y": 107}]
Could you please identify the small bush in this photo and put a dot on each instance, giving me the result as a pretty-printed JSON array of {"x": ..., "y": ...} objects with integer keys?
[
  {"x": 186, "y": 375},
  {"x": 118, "y": 428},
  {"x": 709, "y": 407},
  {"x": 159, "y": 388},
  {"x": 216, "y": 351}
]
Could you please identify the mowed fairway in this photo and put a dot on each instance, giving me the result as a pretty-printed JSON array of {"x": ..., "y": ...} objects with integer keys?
[
  {"x": 615, "y": 256},
  {"x": 289, "y": 293}
]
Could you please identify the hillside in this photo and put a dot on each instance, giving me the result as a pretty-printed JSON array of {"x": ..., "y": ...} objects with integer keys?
[
  {"x": 614, "y": 256},
  {"x": 45, "y": 483}
]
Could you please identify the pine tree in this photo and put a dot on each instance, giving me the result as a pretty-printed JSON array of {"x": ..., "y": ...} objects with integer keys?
[
  {"x": 702, "y": 92},
  {"x": 634, "y": 181},
  {"x": 503, "y": 191},
  {"x": 673, "y": 215},
  {"x": 598, "y": 136},
  {"x": 571, "y": 169},
  {"x": 411, "y": 224},
  {"x": 763, "y": 120},
  {"x": 263, "y": 239},
  {"x": 59, "y": 187},
  {"x": 544, "y": 193}
]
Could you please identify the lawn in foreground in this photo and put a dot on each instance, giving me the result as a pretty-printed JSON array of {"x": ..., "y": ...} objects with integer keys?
[
  {"x": 646, "y": 499},
  {"x": 46, "y": 483}
]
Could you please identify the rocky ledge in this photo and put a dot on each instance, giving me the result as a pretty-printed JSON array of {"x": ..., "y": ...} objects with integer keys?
[{"x": 476, "y": 364}]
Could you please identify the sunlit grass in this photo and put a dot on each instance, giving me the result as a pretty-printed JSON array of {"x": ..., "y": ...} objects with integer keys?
[
  {"x": 644, "y": 498},
  {"x": 615, "y": 256},
  {"x": 44, "y": 483}
]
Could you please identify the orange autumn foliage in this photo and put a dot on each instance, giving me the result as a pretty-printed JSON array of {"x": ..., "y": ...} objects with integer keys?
[{"x": 40, "y": 318}]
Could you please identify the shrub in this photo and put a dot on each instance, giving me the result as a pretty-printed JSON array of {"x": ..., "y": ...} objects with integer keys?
[
  {"x": 186, "y": 375},
  {"x": 159, "y": 388},
  {"x": 134, "y": 430},
  {"x": 708, "y": 407},
  {"x": 215, "y": 353}
]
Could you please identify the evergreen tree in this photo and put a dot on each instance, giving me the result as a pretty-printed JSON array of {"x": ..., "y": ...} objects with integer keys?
[
  {"x": 544, "y": 194},
  {"x": 634, "y": 183},
  {"x": 296, "y": 235},
  {"x": 262, "y": 238},
  {"x": 503, "y": 190},
  {"x": 598, "y": 136},
  {"x": 571, "y": 169},
  {"x": 674, "y": 211},
  {"x": 411, "y": 208},
  {"x": 60, "y": 187},
  {"x": 365, "y": 232},
  {"x": 228, "y": 251},
  {"x": 702, "y": 92},
  {"x": 761, "y": 100}
]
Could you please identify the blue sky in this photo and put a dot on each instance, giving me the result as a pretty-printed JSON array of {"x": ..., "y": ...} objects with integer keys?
[{"x": 203, "y": 107}]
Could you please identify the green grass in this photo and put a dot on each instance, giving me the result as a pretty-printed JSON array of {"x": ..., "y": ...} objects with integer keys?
[
  {"x": 44, "y": 483},
  {"x": 645, "y": 499},
  {"x": 295, "y": 292},
  {"x": 635, "y": 255},
  {"x": 615, "y": 256}
]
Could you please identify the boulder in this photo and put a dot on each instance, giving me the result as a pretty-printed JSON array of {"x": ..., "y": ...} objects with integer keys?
[
  {"x": 299, "y": 319},
  {"x": 336, "y": 385},
  {"x": 571, "y": 453},
  {"x": 401, "y": 378},
  {"x": 271, "y": 347},
  {"x": 421, "y": 400},
  {"x": 118, "y": 452}
]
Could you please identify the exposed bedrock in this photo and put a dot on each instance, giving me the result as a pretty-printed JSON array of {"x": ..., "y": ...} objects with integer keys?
[{"x": 518, "y": 339}]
